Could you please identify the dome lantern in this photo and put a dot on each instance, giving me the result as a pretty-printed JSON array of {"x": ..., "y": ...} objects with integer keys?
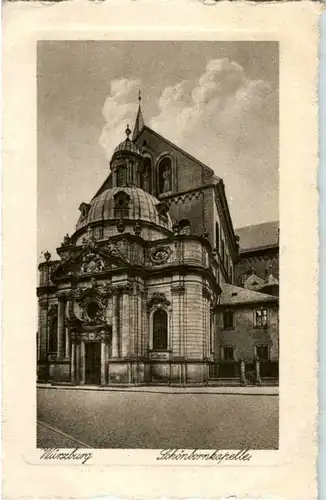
[{"x": 126, "y": 163}]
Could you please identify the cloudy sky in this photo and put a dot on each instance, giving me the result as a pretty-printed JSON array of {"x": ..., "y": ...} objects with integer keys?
[{"x": 217, "y": 100}]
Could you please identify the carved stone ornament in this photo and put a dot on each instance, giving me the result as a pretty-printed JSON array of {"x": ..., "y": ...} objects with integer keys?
[
  {"x": 159, "y": 255},
  {"x": 158, "y": 299},
  {"x": 92, "y": 263},
  {"x": 89, "y": 242},
  {"x": 102, "y": 335},
  {"x": 206, "y": 291},
  {"x": 53, "y": 311},
  {"x": 66, "y": 240},
  {"x": 123, "y": 288},
  {"x": 141, "y": 290},
  {"x": 178, "y": 288},
  {"x": 93, "y": 303}
]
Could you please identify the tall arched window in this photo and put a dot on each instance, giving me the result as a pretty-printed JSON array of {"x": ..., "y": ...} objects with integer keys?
[
  {"x": 146, "y": 177},
  {"x": 53, "y": 338},
  {"x": 160, "y": 330},
  {"x": 122, "y": 175},
  {"x": 165, "y": 175}
]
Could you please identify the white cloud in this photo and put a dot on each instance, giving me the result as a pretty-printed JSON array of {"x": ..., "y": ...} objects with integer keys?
[
  {"x": 119, "y": 110},
  {"x": 225, "y": 119}
]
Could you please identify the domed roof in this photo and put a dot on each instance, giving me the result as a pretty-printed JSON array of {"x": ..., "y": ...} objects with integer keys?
[
  {"x": 128, "y": 146},
  {"x": 140, "y": 206}
]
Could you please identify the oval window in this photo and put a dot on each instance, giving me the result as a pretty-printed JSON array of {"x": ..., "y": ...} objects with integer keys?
[{"x": 92, "y": 309}]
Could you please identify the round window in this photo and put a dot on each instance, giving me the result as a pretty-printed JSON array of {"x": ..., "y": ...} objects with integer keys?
[{"x": 92, "y": 309}]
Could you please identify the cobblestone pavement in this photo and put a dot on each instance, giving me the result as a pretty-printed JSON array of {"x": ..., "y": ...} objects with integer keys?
[{"x": 104, "y": 419}]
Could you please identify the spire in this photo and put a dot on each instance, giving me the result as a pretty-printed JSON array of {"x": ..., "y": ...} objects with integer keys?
[{"x": 139, "y": 123}]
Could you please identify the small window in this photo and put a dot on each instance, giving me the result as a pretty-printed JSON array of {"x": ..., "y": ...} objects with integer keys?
[
  {"x": 227, "y": 353},
  {"x": 98, "y": 232},
  {"x": 228, "y": 319},
  {"x": 261, "y": 317},
  {"x": 262, "y": 352},
  {"x": 160, "y": 330},
  {"x": 184, "y": 226}
]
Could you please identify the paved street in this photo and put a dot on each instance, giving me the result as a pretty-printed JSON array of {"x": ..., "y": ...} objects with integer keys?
[{"x": 104, "y": 419}]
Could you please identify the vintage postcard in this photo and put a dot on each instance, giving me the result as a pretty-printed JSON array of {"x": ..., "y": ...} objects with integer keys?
[{"x": 160, "y": 250}]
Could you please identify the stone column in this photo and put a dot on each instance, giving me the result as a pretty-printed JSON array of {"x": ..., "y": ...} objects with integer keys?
[
  {"x": 103, "y": 362},
  {"x": 82, "y": 362},
  {"x": 67, "y": 347},
  {"x": 78, "y": 363},
  {"x": 125, "y": 326},
  {"x": 115, "y": 326},
  {"x": 61, "y": 328},
  {"x": 72, "y": 363},
  {"x": 243, "y": 372},
  {"x": 258, "y": 379}
]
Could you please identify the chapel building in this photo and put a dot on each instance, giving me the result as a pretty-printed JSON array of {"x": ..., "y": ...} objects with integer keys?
[{"x": 147, "y": 289}]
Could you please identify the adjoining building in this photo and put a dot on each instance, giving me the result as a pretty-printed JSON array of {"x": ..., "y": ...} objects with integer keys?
[{"x": 144, "y": 291}]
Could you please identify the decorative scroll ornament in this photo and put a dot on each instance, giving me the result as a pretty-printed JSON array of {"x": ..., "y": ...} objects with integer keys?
[
  {"x": 93, "y": 302},
  {"x": 159, "y": 255},
  {"x": 158, "y": 299}
]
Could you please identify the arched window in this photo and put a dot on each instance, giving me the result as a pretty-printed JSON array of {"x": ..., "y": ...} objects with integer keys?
[
  {"x": 121, "y": 205},
  {"x": 122, "y": 175},
  {"x": 160, "y": 330},
  {"x": 53, "y": 338},
  {"x": 217, "y": 237},
  {"x": 165, "y": 175},
  {"x": 228, "y": 319},
  {"x": 184, "y": 226},
  {"x": 146, "y": 176}
]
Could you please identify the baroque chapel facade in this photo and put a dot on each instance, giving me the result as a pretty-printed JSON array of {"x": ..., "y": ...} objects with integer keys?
[{"x": 141, "y": 289}]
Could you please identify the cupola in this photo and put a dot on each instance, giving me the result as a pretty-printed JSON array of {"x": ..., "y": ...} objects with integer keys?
[{"x": 126, "y": 163}]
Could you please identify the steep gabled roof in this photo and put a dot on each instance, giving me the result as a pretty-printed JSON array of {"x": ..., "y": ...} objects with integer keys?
[
  {"x": 258, "y": 236},
  {"x": 232, "y": 295},
  {"x": 151, "y": 131}
]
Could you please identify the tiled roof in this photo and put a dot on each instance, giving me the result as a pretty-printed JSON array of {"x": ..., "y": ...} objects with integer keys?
[
  {"x": 232, "y": 294},
  {"x": 258, "y": 236}
]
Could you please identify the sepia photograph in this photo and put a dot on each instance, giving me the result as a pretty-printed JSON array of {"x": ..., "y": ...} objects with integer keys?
[{"x": 158, "y": 244}]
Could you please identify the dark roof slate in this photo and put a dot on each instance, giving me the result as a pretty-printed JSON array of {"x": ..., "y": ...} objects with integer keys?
[{"x": 258, "y": 236}]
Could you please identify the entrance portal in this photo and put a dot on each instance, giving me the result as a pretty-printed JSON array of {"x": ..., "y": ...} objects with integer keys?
[{"x": 93, "y": 363}]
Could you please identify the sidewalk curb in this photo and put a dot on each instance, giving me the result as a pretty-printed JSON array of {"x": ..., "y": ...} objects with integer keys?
[{"x": 226, "y": 391}]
